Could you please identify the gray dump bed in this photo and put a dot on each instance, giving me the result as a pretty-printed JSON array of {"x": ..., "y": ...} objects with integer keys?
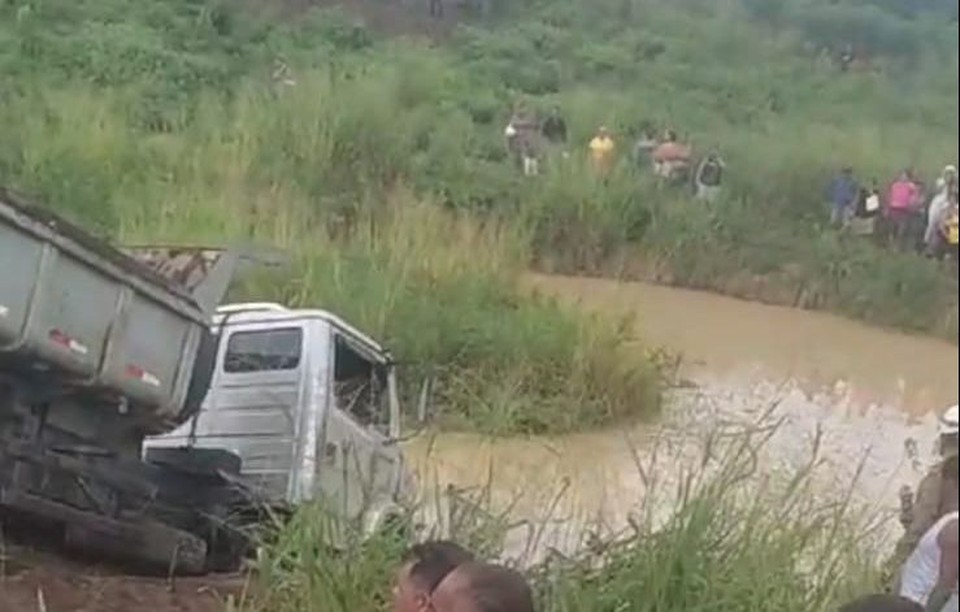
[{"x": 96, "y": 319}]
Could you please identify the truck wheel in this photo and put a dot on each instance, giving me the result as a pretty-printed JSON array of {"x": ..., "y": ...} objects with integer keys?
[
  {"x": 147, "y": 544},
  {"x": 227, "y": 548},
  {"x": 201, "y": 461}
]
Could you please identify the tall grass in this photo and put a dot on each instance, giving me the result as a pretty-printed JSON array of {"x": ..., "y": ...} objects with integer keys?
[
  {"x": 360, "y": 121},
  {"x": 438, "y": 286},
  {"x": 730, "y": 540}
]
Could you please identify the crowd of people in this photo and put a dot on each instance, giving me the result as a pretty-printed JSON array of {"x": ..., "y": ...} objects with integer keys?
[
  {"x": 530, "y": 140},
  {"x": 906, "y": 214},
  {"x": 442, "y": 576}
]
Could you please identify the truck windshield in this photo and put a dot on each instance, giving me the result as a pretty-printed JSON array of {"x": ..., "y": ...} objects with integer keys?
[
  {"x": 360, "y": 387},
  {"x": 260, "y": 351}
]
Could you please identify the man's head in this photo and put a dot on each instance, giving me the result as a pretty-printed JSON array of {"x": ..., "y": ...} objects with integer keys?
[
  {"x": 424, "y": 567},
  {"x": 882, "y": 603},
  {"x": 603, "y": 131},
  {"x": 483, "y": 587}
]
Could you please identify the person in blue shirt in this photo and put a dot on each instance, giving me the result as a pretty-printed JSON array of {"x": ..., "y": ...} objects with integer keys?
[{"x": 842, "y": 195}]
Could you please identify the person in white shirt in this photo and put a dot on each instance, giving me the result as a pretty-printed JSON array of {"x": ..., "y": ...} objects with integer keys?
[{"x": 930, "y": 573}]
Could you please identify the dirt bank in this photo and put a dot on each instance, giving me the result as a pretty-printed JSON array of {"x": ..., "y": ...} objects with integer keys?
[{"x": 33, "y": 581}]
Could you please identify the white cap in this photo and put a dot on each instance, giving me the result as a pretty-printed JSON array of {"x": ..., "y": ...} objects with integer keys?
[{"x": 949, "y": 421}]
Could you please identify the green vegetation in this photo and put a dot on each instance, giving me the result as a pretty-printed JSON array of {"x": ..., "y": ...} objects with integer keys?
[
  {"x": 367, "y": 113},
  {"x": 438, "y": 287},
  {"x": 383, "y": 172},
  {"x": 732, "y": 545}
]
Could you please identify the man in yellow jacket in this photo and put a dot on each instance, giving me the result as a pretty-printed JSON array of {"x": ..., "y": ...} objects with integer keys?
[{"x": 601, "y": 151}]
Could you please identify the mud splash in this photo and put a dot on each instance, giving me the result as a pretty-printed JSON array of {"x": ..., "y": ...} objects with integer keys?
[{"x": 866, "y": 397}]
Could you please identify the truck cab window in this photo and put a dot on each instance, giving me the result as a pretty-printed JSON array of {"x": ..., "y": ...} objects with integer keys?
[
  {"x": 263, "y": 351},
  {"x": 360, "y": 387}
]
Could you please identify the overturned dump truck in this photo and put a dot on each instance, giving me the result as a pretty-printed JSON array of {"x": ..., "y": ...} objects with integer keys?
[{"x": 141, "y": 420}]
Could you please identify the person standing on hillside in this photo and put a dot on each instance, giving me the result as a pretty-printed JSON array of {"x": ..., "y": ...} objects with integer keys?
[
  {"x": 901, "y": 205},
  {"x": 520, "y": 134},
  {"x": 601, "y": 151},
  {"x": 938, "y": 204},
  {"x": 842, "y": 194},
  {"x": 947, "y": 181},
  {"x": 862, "y": 223},
  {"x": 554, "y": 128},
  {"x": 671, "y": 159},
  {"x": 708, "y": 177},
  {"x": 847, "y": 57},
  {"x": 644, "y": 147},
  {"x": 948, "y": 234}
]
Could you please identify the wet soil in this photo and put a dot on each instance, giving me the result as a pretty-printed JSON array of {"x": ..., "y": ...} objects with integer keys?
[{"x": 37, "y": 581}]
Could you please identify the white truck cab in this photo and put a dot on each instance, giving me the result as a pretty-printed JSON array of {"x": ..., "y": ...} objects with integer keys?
[{"x": 310, "y": 406}]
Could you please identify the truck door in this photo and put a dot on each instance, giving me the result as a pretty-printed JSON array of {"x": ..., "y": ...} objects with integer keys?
[
  {"x": 253, "y": 405},
  {"x": 357, "y": 468}
]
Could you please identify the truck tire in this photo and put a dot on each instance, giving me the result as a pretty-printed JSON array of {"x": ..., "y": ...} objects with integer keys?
[
  {"x": 227, "y": 542},
  {"x": 147, "y": 545},
  {"x": 199, "y": 461}
]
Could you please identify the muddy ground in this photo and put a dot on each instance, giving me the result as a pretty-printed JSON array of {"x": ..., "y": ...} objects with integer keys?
[{"x": 35, "y": 581}]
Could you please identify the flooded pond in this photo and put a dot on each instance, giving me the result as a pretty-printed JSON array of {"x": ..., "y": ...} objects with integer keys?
[{"x": 872, "y": 393}]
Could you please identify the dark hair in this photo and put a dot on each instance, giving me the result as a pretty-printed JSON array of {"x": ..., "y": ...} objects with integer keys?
[
  {"x": 882, "y": 603},
  {"x": 430, "y": 562},
  {"x": 494, "y": 588}
]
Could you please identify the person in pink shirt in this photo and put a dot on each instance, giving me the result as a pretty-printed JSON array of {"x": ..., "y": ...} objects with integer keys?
[
  {"x": 902, "y": 200},
  {"x": 903, "y": 194}
]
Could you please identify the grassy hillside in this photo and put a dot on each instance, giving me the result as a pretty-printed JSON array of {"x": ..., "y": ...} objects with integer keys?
[{"x": 757, "y": 80}]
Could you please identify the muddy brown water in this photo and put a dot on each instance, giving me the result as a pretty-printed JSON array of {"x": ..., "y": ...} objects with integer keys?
[
  {"x": 725, "y": 336},
  {"x": 874, "y": 392}
]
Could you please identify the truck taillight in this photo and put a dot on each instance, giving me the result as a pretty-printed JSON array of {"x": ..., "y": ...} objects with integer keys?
[
  {"x": 135, "y": 371},
  {"x": 68, "y": 342}
]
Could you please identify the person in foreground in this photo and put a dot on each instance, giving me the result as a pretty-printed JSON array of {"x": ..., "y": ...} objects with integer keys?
[
  {"x": 483, "y": 587},
  {"x": 424, "y": 567},
  {"x": 930, "y": 573},
  {"x": 936, "y": 494}
]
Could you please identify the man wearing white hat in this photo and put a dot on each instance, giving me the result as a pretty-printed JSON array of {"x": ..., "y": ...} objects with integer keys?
[
  {"x": 936, "y": 493},
  {"x": 946, "y": 187}
]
